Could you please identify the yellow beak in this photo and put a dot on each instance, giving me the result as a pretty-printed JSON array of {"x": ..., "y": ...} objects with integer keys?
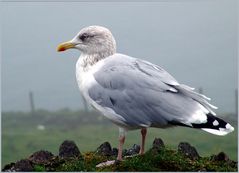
[{"x": 64, "y": 46}]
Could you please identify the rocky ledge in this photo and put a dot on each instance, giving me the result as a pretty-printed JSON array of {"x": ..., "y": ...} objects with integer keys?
[{"x": 158, "y": 158}]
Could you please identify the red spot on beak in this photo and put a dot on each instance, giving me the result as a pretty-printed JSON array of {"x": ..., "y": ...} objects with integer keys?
[
  {"x": 64, "y": 46},
  {"x": 61, "y": 49}
]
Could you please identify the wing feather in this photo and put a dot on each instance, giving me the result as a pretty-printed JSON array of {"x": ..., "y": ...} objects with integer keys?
[{"x": 145, "y": 94}]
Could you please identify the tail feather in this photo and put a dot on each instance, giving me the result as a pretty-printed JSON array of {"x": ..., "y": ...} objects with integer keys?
[
  {"x": 202, "y": 99},
  {"x": 215, "y": 126}
]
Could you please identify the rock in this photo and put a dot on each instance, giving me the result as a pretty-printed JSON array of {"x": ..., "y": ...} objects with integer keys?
[
  {"x": 41, "y": 157},
  {"x": 114, "y": 151},
  {"x": 124, "y": 152},
  {"x": 220, "y": 157},
  {"x": 69, "y": 149},
  {"x": 9, "y": 167},
  {"x": 133, "y": 151},
  {"x": 105, "y": 149},
  {"x": 188, "y": 150},
  {"x": 23, "y": 166},
  {"x": 158, "y": 143}
]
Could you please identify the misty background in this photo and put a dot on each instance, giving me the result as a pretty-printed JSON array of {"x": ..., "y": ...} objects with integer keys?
[{"x": 195, "y": 41}]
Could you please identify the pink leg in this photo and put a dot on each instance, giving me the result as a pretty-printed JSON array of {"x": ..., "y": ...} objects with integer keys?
[
  {"x": 120, "y": 149},
  {"x": 143, "y": 134}
]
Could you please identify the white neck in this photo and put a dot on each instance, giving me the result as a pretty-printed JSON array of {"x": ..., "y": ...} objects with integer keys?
[{"x": 91, "y": 59}]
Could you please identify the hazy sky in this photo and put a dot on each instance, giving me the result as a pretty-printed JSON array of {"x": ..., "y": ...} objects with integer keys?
[{"x": 195, "y": 41}]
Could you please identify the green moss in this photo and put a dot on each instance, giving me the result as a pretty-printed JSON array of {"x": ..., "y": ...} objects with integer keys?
[
  {"x": 153, "y": 160},
  {"x": 72, "y": 165},
  {"x": 169, "y": 160},
  {"x": 163, "y": 160},
  {"x": 39, "y": 168},
  {"x": 87, "y": 162}
]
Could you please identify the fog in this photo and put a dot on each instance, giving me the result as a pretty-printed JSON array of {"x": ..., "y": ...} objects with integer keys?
[{"x": 195, "y": 41}]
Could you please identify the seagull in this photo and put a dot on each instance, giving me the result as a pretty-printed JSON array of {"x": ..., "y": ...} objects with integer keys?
[{"x": 134, "y": 93}]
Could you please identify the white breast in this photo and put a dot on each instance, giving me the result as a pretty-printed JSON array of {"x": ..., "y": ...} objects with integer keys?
[
  {"x": 84, "y": 73},
  {"x": 85, "y": 79}
]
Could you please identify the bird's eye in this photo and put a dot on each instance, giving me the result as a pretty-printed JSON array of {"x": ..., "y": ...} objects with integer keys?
[{"x": 83, "y": 36}]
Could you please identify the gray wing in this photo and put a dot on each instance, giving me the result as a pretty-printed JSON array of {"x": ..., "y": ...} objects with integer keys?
[{"x": 143, "y": 94}]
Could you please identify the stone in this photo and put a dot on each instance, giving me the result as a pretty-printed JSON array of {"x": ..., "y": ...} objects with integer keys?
[
  {"x": 23, "y": 166},
  {"x": 188, "y": 150},
  {"x": 104, "y": 149},
  {"x": 133, "y": 150},
  {"x": 41, "y": 157},
  {"x": 158, "y": 143},
  {"x": 114, "y": 151},
  {"x": 221, "y": 157},
  {"x": 9, "y": 167},
  {"x": 69, "y": 149},
  {"x": 124, "y": 152}
]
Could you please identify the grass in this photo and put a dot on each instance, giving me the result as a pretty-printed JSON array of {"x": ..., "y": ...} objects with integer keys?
[{"x": 21, "y": 137}]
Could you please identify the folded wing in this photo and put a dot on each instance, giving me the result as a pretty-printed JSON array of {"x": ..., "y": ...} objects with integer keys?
[{"x": 145, "y": 95}]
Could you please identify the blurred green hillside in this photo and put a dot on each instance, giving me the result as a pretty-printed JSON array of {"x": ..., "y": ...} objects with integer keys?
[{"x": 24, "y": 133}]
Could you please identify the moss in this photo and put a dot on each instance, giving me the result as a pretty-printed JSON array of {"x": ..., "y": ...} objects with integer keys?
[
  {"x": 164, "y": 159},
  {"x": 71, "y": 165},
  {"x": 39, "y": 168},
  {"x": 91, "y": 160},
  {"x": 169, "y": 160}
]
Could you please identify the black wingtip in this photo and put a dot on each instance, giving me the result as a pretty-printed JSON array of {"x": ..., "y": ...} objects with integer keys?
[
  {"x": 215, "y": 126},
  {"x": 212, "y": 123}
]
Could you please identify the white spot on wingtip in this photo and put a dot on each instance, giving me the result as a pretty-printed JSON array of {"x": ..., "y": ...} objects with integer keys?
[
  {"x": 215, "y": 123},
  {"x": 229, "y": 127},
  {"x": 221, "y": 131}
]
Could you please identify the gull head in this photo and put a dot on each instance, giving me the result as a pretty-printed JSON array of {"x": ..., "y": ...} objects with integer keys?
[{"x": 92, "y": 40}]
